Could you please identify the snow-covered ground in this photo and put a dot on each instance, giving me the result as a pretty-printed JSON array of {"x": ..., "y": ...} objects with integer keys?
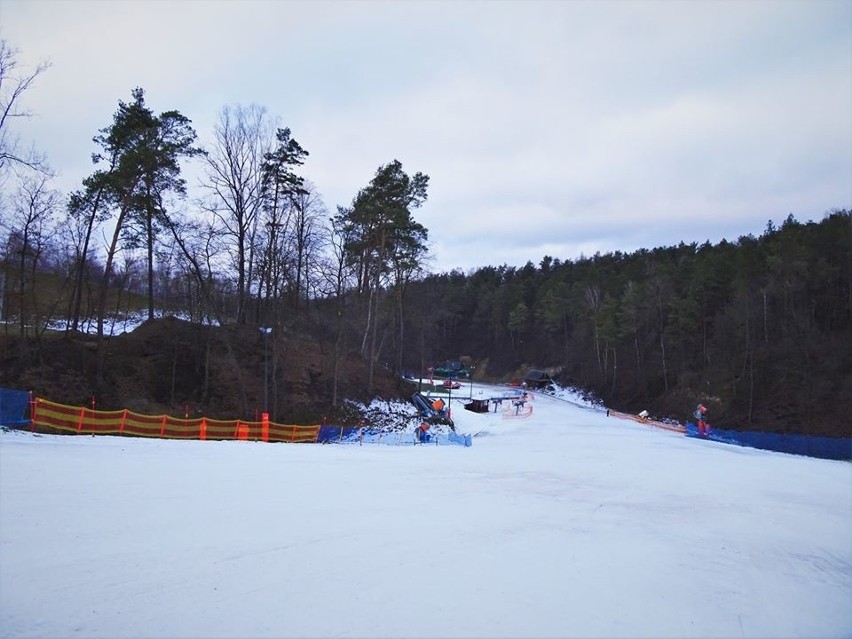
[{"x": 565, "y": 524}]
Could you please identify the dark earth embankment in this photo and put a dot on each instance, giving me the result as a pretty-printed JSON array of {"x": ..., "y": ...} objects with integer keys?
[{"x": 179, "y": 368}]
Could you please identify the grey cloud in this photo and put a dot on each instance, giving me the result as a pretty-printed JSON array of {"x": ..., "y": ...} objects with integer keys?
[{"x": 544, "y": 126}]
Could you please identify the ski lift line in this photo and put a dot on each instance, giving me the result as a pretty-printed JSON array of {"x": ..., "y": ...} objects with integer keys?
[
  {"x": 565, "y": 400},
  {"x": 595, "y": 409},
  {"x": 517, "y": 412}
]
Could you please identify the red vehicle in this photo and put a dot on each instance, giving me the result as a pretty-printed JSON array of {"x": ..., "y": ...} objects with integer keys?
[{"x": 451, "y": 383}]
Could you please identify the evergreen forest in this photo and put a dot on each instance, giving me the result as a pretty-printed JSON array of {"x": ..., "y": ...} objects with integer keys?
[{"x": 757, "y": 329}]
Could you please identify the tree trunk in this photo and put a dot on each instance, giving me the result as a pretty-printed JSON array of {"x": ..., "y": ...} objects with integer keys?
[
  {"x": 401, "y": 302},
  {"x": 376, "y": 284},
  {"x": 102, "y": 298},
  {"x": 336, "y": 364},
  {"x": 78, "y": 286},
  {"x": 149, "y": 228},
  {"x": 663, "y": 341},
  {"x": 614, "y": 371}
]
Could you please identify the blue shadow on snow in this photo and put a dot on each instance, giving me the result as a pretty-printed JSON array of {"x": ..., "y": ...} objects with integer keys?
[{"x": 329, "y": 434}]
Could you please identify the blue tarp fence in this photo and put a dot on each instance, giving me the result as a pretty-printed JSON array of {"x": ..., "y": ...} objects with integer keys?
[
  {"x": 14, "y": 407},
  {"x": 329, "y": 434},
  {"x": 822, "y": 447}
]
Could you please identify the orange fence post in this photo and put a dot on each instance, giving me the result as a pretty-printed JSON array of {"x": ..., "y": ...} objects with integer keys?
[
  {"x": 163, "y": 427},
  {"x": 80, "y": 422},
  {"x": 242, "y": 431},
  {"x": 264, "y": 432},
  {"x": 202, "y": 435}
]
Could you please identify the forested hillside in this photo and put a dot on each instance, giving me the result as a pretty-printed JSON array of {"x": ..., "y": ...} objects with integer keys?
[{"x": 759, "y": 329}]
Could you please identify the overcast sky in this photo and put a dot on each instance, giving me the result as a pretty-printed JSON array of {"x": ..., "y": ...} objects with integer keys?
[{"x": 547, "y": 128}]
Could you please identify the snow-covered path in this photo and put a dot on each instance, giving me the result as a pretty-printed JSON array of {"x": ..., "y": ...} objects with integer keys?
[{"x": 566, "y": 524}]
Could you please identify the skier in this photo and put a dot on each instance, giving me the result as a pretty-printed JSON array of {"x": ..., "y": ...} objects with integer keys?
[{"x": 701, "y": 415}]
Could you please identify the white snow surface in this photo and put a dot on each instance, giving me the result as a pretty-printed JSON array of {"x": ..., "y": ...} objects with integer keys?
[{"x": 565, "y": 524}]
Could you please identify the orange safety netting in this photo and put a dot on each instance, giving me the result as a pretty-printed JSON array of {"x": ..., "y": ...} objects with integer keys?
[
  {"x": 677, "y": 428},
  {"x": 87, "y": 421},
  {"x": 517, "y": 410}
]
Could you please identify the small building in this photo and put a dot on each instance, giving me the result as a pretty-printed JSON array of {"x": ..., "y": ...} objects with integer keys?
[
  {"x": 477, "y": 405},
  {"x": 453, "y": 368},
  {"x": 537, "y": 379}
]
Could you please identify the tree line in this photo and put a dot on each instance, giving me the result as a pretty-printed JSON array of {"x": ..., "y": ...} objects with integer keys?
[
  {"x": 259, "y": 245},
  {"x": 758, "y": 329}
]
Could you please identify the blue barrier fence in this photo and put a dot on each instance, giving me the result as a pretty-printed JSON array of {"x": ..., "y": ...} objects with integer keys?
[
  {"x": 329, "y": 434},
  {"x": 839, "y": 448},
  {"x": 14, "y": 407}
]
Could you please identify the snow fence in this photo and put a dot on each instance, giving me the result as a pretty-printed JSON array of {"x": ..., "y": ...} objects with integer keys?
[
  {"x": 52, "y": 417},
  {"x": 49, "y": 416},
  {"x": 839, "y": 448}
]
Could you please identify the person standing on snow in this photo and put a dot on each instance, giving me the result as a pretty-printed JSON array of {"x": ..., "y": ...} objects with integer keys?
[
  {"x": 701, "y": 416},
  {"x": 422, "y": 433}
]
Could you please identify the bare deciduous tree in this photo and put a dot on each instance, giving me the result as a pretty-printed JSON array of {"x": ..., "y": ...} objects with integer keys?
[
  {"x": 243, "y": 135},
  {"x": 14, "y": 82},
  {"x": 308, "y": 213},
  {"x": 31, "y": 227}
]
